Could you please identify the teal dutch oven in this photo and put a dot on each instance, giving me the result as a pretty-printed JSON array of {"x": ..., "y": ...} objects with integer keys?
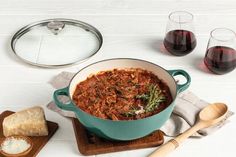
[{"x": 126, "y": 129}]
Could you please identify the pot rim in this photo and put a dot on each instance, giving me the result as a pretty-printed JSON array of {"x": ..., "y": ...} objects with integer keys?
[{"x": 176, "y": 92}]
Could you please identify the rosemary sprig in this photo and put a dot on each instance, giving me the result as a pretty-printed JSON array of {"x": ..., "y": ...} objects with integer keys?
[
  {"x": 153, "y": 98},
  {"x": 131, "y": 112},
  {"x": 143, "y": 96}
]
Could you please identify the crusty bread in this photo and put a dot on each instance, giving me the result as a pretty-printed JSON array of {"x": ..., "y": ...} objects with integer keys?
[{"x": 29, "y": 122}]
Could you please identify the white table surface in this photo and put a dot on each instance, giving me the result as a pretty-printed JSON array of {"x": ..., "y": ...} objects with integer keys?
[{"x": 131, "y": 28}]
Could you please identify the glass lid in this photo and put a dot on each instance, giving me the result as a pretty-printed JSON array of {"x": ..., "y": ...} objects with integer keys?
[{"x": 56, "y": 42}]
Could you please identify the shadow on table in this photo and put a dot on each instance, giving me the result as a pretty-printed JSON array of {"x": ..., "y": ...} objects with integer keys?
[
  {"x": 158, "y": 46},
  {"x": 198, "y": 64}
]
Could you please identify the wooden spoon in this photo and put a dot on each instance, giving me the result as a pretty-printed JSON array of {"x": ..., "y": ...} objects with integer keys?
[{"x": 210, "y": 115}]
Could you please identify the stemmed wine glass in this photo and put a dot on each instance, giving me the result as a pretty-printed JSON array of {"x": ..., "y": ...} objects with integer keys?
[
  {"x": 180, "y": 39},
  {"x": 220, "y": 56}
]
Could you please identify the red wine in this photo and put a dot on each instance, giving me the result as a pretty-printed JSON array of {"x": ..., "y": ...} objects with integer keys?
[
  {"x": 180, "y": 42},
  {"x": 220, "y": 59}
]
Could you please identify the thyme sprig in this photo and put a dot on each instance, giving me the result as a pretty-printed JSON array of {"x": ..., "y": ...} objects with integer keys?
[{"x": 153, "y": 98}]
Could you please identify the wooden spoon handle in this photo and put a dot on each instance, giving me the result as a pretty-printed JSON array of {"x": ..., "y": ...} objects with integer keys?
[
  {"x": 165, "y": 149},
  {"x": 174, "y": 143}
]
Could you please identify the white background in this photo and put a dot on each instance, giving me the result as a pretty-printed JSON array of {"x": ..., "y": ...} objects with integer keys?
[{"x": 131, "y": 28}]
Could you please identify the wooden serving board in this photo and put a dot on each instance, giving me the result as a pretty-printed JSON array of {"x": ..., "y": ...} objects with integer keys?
[
  {"x": 90, "y": 144},
  {"x": 38, "y": 142}
]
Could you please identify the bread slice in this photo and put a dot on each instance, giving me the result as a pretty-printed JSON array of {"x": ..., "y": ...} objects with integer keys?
[{"x": 29, "y": 122}]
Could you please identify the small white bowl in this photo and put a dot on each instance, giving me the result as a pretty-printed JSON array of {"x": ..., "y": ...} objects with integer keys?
[{"x": 27, "y": 139}]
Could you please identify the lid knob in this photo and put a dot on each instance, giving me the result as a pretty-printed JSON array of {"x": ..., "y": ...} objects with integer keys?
[{"x": 55, "y": 26}]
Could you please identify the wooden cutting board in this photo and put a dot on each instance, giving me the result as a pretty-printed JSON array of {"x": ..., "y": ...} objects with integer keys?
[
  {"x": 90, "y": 144},
  {"x": 38, "y": 142}
]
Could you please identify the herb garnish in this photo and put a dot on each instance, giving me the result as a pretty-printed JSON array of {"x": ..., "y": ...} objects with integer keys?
[
  {"x": 153, "y": 98},
  {"x": 133, "y": 112}
]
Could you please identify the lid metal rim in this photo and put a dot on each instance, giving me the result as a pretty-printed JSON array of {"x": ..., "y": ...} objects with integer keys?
[{"x": 29, "y": 27}]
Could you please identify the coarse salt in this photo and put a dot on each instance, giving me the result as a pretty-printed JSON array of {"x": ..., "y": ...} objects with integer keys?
[{"x": 14, "y": 145}]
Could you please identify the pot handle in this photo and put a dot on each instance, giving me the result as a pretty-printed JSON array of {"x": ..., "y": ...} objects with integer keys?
[
  {"x": 68, "y": 106},
  {"x": 181, "y": 87}
]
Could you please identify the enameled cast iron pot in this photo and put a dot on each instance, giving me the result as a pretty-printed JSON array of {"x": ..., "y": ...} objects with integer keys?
[{"x": 122, "y": 130}]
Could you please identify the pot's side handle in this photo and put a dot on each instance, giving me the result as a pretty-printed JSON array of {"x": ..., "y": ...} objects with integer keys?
[
  {"x": 181, "y": 87},
  {"x": 68, "y": 106}
]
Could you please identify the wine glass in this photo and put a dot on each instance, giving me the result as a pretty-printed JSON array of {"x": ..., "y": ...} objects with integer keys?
[
  {"x": 220, "y": 56},
  {"x": 180, "y": 39}
]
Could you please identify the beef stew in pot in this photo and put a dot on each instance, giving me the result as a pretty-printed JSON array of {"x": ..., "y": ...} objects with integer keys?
[{"x": 122, "y": 94}]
